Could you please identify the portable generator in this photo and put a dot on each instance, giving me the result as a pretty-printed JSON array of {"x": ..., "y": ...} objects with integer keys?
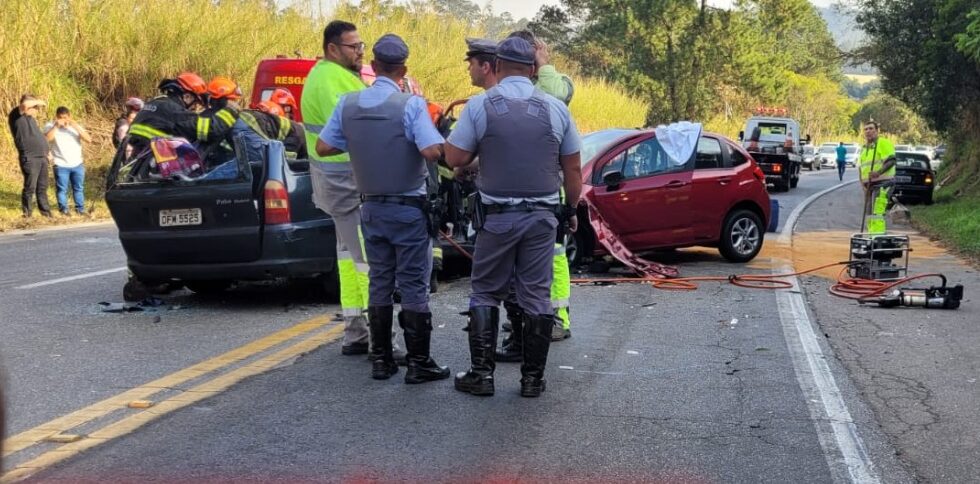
[{"x": 879, "y": 257}]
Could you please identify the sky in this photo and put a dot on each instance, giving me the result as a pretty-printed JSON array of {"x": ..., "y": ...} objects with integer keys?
[{"x": 527, "y": 8}]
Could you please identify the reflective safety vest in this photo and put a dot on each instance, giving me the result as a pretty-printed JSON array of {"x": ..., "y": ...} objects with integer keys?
[
  {"x": 873, "y": 156},
  {"x": 325, "y": 84}
]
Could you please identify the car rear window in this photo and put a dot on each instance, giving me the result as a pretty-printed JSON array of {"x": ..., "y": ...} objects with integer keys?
[{"x": 183, "y": 165}]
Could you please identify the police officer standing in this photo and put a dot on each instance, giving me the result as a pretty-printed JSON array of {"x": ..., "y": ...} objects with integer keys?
[
  {"x": 525, "y": 140},
  {"x": 390, "y": 136}
]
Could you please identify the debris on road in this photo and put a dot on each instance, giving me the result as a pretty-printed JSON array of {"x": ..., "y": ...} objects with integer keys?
[{"x": 148, "y": 304}]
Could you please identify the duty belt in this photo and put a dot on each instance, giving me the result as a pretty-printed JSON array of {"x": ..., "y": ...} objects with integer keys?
[
  {"x": 417, "y": 202},
  {"x": 521, "y": 207}
]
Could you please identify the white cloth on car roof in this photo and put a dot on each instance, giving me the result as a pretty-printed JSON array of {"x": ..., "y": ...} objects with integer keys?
[{"x": 679, "y": 140}]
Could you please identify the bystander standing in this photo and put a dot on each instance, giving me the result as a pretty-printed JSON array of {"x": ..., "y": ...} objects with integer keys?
[
  {"x": 32, "y": 152},
  {"x": 66, "y": 137}
]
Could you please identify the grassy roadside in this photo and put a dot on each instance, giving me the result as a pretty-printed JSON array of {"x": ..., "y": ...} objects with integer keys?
[{"x": 956, "y": 222}]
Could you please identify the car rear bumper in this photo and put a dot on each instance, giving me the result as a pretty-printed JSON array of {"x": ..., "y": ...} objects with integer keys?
[
  {"x": 298, "y": 250},
  {"x": 911, "y": 192}
]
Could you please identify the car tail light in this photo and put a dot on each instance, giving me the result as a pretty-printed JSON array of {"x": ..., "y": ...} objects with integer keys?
[
  {"x": 928, "y": 180},
  {"x": 759, "y": 174},
  {"x": 777, "y": 168},
  {"x": 276, "y": 203}
]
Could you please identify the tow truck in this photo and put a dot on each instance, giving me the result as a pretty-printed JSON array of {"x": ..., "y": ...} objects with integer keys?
[{"x": 773, "y": 140}]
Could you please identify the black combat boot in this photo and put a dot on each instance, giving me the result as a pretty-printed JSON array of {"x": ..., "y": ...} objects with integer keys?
[
  {"x": 483, "y": 343},
  {"x": 418, "y": 332},
  {"x": 537, "y": 340},
  {"x": 512, "y": 348},
  {"x": 383, "y": 364},
  {"x": 514, "y": 313}
]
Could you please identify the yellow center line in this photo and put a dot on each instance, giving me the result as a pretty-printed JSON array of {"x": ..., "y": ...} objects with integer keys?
[
  {"x": 97, "y": 410},
  {"x": 200, "y": 392}
]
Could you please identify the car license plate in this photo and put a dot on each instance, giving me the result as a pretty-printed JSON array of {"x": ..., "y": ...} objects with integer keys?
[
  {"x": 178, "y": 217},
  {"x": 903, "y": 179}
]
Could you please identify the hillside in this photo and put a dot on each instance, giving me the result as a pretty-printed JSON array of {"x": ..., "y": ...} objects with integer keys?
[{"x": 842, "y": 23}]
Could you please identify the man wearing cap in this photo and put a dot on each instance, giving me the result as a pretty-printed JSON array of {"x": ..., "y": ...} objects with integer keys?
[
  {"x": 390, "y": 136},
  {"x": 547, "y": 78},
  {"x": 525, "y": 140},
  {"x": 32, "y": 152}
]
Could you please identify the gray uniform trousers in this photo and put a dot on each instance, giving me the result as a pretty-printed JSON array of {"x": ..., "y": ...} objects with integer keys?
[
  {"x": 518, "y": 247},
  {"x": 398, "y": 245}
]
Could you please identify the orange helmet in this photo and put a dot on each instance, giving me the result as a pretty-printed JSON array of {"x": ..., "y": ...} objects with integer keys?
[
  {"x": 222, "y": 87},
  {"x": 192, "y": 83},
  {"x": 271, "y": 108},
  {"x": 435, "y": 112},
  {"x": 284, "y": 98}
]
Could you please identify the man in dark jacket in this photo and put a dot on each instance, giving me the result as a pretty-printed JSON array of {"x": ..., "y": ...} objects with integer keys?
[{"x": 32, "y": 152}]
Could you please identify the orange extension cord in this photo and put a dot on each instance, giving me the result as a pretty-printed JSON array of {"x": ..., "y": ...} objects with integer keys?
[{"x": 861, "y": 290}]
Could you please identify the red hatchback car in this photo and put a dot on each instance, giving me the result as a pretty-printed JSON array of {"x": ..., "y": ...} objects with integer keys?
[{"x": 717, "y": 198}]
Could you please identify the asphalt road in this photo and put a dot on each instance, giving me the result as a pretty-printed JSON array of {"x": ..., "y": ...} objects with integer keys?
[{"x": 653, "y": 386}]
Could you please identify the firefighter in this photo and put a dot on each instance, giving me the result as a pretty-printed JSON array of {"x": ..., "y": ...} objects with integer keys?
[
  {"x": 876, "y": 168},
  {"x": 526, "y": 140},
  {"x": 389, "y": 138},
  {"x": 334, "y": 190},
  {"x": 269, "y": 122},
  {"x": 286, "y": 101},
  {"x": 170, "y": 115}
]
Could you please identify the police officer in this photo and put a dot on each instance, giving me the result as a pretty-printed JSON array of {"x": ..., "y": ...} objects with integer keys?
[
  {"x": 170, "y": 114},
  {"x": 390, "y": 136},
  {"x": 876, "y": 167},
  {"x": 525, "y": 140}
]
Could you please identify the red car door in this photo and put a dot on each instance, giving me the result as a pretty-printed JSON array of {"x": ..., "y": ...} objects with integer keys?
[
  {"x": 650, "y": 207},
  {"x": 713, "y": 186}
]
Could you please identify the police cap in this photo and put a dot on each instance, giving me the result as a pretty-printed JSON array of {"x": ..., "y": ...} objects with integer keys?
[
  {"x": 390, "y": 49},
  {"x": 516, "y": 49},
  {"x": 476, "y": 47}
]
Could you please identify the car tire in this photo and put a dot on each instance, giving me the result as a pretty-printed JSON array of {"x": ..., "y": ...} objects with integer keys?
[
  {"x": 208, "y": 287},
  {"x": 793, "y": 182},
  {"x": 742, "y": 236},
  {"x": 135, "y": 291},
  {"x": 581, "y": 244}
]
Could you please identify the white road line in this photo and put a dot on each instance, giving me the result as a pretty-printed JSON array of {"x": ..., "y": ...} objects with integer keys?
[
  {"x": 837, "y": 432},
  {"x": 72, "y": 278}
]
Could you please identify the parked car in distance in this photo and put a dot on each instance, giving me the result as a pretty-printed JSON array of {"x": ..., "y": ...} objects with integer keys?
[
  {"x": 810, "y": 160},
  {"x": 717, "y": 198},
  {"x": 941, "y": 151},
  {"x": 851, "y": 157},
  {"x": 827, "y": 154},
  {"x": 914, "y": 177}
]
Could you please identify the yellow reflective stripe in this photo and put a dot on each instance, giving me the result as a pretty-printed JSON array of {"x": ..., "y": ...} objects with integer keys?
[
  {"x": 253, "y": 123},
  {"x": 226, "y": 116},
  {"x": 446, "y": 173},
  {"x": 146, "y": 131},
  {"x": 437, "y": 252},
  {"x": 284, "y": 127},
  {"x": 203, "y": 128}
]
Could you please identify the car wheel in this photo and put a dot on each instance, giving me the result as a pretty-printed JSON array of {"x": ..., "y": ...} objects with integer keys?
[
  {"x": 134, "y": 291},
  {"x": 208, "y": 287},
  {"x": 819, "y": 166},
  {"x": 793, "y": 182},
  {"x": 580, "y": 245},
  {"x": 741, "y": 237}
]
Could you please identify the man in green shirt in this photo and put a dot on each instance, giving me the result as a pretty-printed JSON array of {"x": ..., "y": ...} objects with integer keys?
[
  {"x": 547, "y": 78},
  {"x": 334, "y": 191},
  {"x": 876, "y": 167}
]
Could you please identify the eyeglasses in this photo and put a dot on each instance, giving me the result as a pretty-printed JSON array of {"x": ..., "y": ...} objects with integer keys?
[{"x": 358, "y": 47}]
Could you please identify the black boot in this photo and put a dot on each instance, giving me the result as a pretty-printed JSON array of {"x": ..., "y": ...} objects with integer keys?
[
  {"x": 418, "y": 333},
  {"x": 514, "y": 313},
  {"x": 537, "y": 340},
  {"x": 512, "y": 348},
  {"x": 382, "y": 361},
  {"x": 483, "y": 343}
]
